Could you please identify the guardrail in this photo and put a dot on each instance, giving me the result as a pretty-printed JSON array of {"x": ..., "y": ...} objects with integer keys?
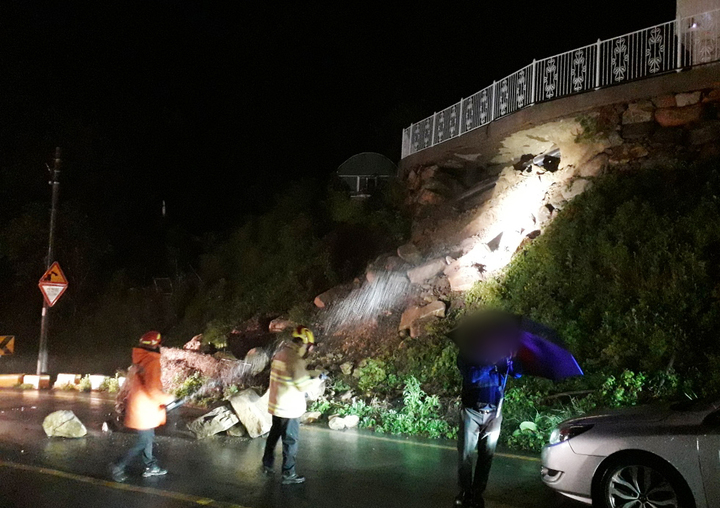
[{"x": 672, "y": 46}]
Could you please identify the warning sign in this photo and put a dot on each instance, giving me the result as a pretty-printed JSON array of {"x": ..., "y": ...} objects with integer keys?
[
  {"x": 7, "y": 344},
  {"x": 53, "y": 284}
]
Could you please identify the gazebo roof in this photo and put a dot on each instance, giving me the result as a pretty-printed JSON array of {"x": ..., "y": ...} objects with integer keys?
[{"x": 367, "y": 164}]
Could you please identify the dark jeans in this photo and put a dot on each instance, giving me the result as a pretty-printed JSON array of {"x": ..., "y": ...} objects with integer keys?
[
  {"x": 288, "y": 429},
  {"x": 143, "y": 445},
  {"x": 478, "y": 433}
]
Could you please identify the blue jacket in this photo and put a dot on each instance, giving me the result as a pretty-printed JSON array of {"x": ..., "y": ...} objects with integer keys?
[{"x": 483, "y": 384}]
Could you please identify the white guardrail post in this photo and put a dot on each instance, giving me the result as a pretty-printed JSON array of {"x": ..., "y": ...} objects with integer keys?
[
  {"x": 598, "y": 61},
  {"x": 533, "y": 77}
]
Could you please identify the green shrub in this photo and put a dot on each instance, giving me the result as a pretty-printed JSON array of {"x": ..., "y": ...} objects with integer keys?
[
  {"x": 371, "y": 374},
  {"x": 85, "y": 385},
  {"x": 190, "y": 385},
  {"x": 110, "y": 384}
]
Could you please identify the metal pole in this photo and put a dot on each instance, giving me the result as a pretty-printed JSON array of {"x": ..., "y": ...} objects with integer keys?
[
  {"x": 42, "y": 364},
  {"x": 598, "y": 49}
]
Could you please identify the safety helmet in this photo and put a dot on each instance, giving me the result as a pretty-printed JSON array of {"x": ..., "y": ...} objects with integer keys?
[
  {"x": 151, "y": 338},
  {"x": 305, "y": 334}
]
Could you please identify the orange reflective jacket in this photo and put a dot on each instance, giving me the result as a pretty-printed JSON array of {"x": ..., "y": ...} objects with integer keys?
[{"x": 146, "y": 399}]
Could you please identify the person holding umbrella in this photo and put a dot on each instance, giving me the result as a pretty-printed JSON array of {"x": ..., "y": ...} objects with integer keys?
[
  {"x": 493, "y": 346},
  {"x": 483, "y": 389}
]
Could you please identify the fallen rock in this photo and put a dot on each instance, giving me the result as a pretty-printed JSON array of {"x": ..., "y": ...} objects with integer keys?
[
  {"x": 258, "y": 359},
  {"x": 416, "y": 313},
  {"x": 237, "y": 430},
  {"x": 394, "y": 263},
  {"x": 218, "y": 420},
  {"x": 63, "y": 424},
  {"x": 340, "y": 423},
  {"x": 330, "y": 296},
  {"x": 676, "y": 117},
  {"x": 427, "y": 271},
  {"x": 252, "y": 411},
  {"x": 310, "y": 417},
  {"x": 352, "y": 421},
  {"x": 687, "y": 99},
  {"x": 346, "y": 368},
  {"x": 278, "y": 325},
  {"x": 194, "y": 344},
  {"x": 463, "y": 277},
  {"x": 638, "y": 112},
  {"x": 713, "y": 95},
  {"x": 428, "y": 173},
  {"x": 348, "y": 394},
  {"x": 410, "y": 254}
]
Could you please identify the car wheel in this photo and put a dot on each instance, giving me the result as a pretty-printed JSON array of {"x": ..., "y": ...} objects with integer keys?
[{"x": 642, "y": 482}]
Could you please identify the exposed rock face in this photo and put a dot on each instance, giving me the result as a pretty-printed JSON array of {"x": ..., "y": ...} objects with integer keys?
[
  {"x": 252, "y": 411},
  {"x": 427, "y": 271},
  {"x": 218, "y": 420},
  {"x": 417, "y": 313},
  {"x": 63, "y": 424},
  {"x": 675, "y": 117},
  {"x": 638, "y": 112},
  {"x": 687, "y": 99},
  {"x": 331, "y": 296},
  {"x": 410, "y": 254}
]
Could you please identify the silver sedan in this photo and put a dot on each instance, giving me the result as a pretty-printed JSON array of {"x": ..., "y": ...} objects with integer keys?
[{"x": 640, "y": 457}]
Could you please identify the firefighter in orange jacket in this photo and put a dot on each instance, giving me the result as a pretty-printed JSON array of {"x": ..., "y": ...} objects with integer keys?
[
  {"x": 145, "y": 406},
  {"x": 289, "y": 380}
]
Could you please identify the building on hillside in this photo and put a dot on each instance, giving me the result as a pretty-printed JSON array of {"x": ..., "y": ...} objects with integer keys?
[{"x": 364, "y": 173}]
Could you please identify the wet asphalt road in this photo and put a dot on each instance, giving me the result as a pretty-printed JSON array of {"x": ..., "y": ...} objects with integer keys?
[{"x": 344, "y": 469}]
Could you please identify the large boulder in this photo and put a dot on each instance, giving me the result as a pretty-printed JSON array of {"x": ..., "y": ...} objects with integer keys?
[
  {"x": 331, "y": 296},
  {"x": 278, "y": 325},
  {"x": 687, "y": 99},
  {"x": 218, "y": 420},
  {"x": 237, "y": 430},
  {"x": 310, "y": 417},
  {"x": 257, "y": 358},
  {"x": 463, "y": 277},
  {"x": 418, "y": 313},
  {"x": 340, "y": 423},
  {"x": 410, "y": 254},
  {"x": 63, "y": 424},
  {"x": 252, "y": 410},
  {"x": 426, "y": 271}
]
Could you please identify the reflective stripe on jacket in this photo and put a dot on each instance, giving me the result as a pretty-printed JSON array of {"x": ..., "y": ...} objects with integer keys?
[
  {"x": 289, "y": 379},
  {"x": 146, "y": 399}
]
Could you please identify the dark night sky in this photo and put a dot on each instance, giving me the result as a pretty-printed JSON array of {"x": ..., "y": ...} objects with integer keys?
[{"x": 214, "y": 106}]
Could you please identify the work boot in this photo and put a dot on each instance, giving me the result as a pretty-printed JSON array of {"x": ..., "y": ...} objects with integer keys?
[
  {"x": 154, "y": 470},
  {"x": 268, "y": 470},
  {"x": 464, "y": 499},
  {"x": 117, "y": 473},
  {"x": 292, "y": 479}
]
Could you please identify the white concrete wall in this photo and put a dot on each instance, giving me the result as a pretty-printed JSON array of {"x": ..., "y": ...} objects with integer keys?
[{"x": 690, "y": 7}]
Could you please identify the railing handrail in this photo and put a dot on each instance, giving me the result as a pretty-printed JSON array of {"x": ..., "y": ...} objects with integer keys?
[{"x": 644, "y": 53}]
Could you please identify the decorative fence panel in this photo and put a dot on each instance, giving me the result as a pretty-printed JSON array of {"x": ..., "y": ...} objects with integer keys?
[{"x": 663, "y": 48}]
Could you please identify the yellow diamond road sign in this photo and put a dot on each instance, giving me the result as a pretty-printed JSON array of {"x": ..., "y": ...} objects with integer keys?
[
  {"x": 53, "y": 284},
  {"x": 7, "y": 344}
]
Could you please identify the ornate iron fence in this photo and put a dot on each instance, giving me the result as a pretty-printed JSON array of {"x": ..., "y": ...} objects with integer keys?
[{"x": 671, "y": 46}]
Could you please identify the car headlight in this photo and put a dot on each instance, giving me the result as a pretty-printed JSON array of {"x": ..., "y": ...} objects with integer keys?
[{"x": 565, "y": 432}]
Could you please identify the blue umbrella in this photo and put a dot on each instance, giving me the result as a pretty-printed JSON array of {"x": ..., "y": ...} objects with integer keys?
[{"x": 491, "y": 336}]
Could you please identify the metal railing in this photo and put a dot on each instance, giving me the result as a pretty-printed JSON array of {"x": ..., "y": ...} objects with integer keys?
[{"x": 671, "y": 46}]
